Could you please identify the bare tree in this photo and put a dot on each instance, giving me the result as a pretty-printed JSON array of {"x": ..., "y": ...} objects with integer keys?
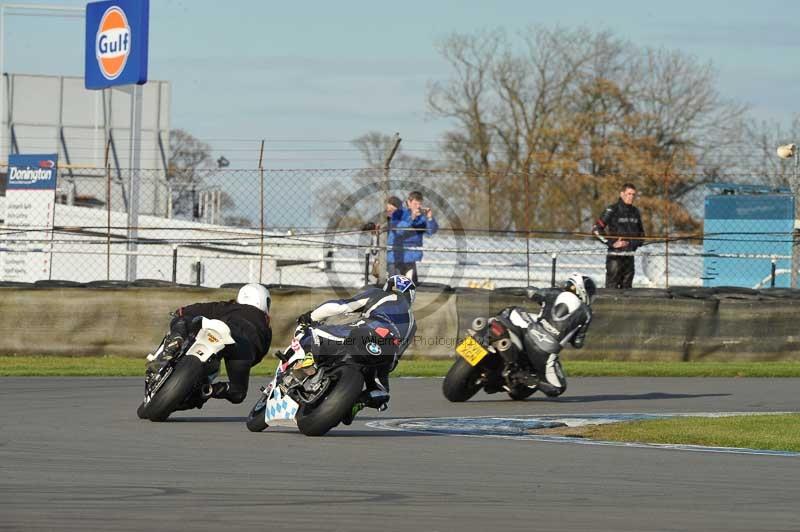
[
  {"x": 190, "y": 165},
  {"x": 566, "y": 114},
  {"x": 373, "y": 146},
  {"x": 763, "y": 164}
]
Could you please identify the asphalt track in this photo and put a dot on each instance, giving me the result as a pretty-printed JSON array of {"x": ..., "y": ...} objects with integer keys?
[{"x": 73, "y": 456}]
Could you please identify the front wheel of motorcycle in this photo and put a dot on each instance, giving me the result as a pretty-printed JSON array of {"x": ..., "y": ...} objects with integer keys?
[
  {"x": 462, "y": 381},
  {"x": 256, "y": 420},
  {"x": 179, "y": 385},
  {"x": 326, "y": 414}
]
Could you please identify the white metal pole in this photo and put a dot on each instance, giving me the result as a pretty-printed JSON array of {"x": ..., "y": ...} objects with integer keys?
[
  {"x": 134, "y": 162},
  {"x": 3, "y": 83}
]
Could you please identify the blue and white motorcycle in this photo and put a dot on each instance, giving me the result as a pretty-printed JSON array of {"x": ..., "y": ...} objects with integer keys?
[{"x": 314, "y": 395}]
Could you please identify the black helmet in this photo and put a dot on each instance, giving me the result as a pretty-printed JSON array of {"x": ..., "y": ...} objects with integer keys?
[
  {"x": 582, "y": 286},
  {"x": 400, "y": 284}
]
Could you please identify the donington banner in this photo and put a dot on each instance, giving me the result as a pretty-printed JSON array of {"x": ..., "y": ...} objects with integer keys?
[{"x": 30, "y": 207}]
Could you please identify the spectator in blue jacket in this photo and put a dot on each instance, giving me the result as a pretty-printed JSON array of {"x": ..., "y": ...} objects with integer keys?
[{"x": 407, "y": 225}]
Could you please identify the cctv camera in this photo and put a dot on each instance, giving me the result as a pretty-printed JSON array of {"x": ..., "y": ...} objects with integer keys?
[{"x": 786, "y": 151}]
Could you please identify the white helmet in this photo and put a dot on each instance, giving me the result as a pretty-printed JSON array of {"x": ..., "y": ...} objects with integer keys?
[
  {"x": 582, "y": 286},
  {"x": 256, "y": 295}
]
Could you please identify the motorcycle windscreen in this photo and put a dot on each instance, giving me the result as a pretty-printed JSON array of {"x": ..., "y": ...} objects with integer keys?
[{"x": 280, "y": 408}]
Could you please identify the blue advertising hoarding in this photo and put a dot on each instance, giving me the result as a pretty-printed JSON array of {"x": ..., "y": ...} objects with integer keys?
[
  {"x": 116, "y": 43},
  {"x": 32, "y": 171},
  {"x": 745, "y": 230}
]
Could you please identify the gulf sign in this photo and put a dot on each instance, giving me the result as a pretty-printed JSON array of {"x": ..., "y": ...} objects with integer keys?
[
  {"x": 32, "y": 171},
  {"x": 116, "y": 43}
]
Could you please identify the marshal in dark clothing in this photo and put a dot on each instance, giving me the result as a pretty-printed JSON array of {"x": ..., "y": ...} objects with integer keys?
[{"x": 620, "y": 229}]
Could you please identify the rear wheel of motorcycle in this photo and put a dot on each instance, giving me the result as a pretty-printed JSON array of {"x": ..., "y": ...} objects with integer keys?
[
  {"x": 179, "y": 385},
  {"x": 462, "y": 381},
  {"x": 328, "y": 413},
  {"x": 256, "y": 420}
]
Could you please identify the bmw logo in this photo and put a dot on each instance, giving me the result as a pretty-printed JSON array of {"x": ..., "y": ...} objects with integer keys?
[{"x": 374, "y": 348}]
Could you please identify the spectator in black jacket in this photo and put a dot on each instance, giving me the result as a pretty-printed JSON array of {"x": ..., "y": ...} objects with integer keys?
[
  {"x": 620, "y": 228},
  {"x": 248, "y": 319}
]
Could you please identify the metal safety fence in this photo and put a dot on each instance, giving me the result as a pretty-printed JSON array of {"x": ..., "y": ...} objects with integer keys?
[{"x": 327, "y": 227}]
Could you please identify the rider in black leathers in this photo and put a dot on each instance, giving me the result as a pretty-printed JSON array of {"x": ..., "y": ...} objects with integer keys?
[
  {"x": 564, "y": 317},
  {"x": 249, "y": 321}
]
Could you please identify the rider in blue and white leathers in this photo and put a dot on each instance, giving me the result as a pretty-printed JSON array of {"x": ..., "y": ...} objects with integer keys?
[{"x": 386, "y": 328}]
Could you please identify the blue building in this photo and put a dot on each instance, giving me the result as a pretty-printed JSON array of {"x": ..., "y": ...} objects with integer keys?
[{"x": 746, "y": 228}]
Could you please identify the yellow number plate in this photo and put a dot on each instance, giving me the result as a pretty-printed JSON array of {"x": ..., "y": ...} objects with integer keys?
[
  {"x": 308, "y": 361},
  {"x": 471, "y": 350}
]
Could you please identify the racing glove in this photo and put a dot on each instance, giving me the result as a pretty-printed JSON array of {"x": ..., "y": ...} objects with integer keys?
[{"x": 304, "y": 318}]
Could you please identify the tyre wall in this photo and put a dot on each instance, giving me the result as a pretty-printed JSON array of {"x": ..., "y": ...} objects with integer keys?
[{"x": 641, "y": 324}]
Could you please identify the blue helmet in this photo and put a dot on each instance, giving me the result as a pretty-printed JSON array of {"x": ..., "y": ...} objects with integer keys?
[{"x": 400, "y": 284}]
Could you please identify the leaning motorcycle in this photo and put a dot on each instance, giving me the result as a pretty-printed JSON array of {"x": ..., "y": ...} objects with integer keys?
[
  {"x": 315, "y": 395},
  {"x": 172, "y": 382},
  {"x": 482, "y": 362}
]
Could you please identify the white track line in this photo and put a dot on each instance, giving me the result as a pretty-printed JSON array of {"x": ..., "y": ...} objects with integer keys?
[{"x": 516, "y": 427}]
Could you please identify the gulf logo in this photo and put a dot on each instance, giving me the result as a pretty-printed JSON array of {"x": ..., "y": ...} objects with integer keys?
[{"x": 113, "y": 43}]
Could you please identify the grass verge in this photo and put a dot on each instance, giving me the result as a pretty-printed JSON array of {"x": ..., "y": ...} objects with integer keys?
[
  {"x": 777, "y": 432},
  {"x": 114, "y": 366}
]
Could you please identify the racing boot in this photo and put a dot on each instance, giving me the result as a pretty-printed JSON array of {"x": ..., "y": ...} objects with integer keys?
[
  {"x": 218, "y": 390},
  {"x": 351, "y": 414}
]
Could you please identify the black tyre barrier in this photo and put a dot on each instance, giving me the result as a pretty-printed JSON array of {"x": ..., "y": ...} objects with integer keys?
[
  {"x": 780, "y": 293},
  {"x": 692, "y": 292},
  {"x": 435, "y": 287},
  {"x": 154, "y": 282},
  {"x": 56, "y": 283},
  {"x": 512, "y": 291},
  {"x": 107, "y": 284}
]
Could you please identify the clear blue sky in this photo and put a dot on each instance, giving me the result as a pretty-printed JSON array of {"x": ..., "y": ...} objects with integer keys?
[{"x": 314, "y": 71}]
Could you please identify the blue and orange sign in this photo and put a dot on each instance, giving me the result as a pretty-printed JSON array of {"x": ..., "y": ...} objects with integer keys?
[
  {"x": 116, "y": 43},
  {"x": 29, "y": 172}
]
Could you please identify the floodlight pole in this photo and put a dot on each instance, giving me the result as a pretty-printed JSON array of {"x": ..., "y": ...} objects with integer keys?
[
  {"x": 36, "y": 8},
  {"x": 134, "y": 160}
]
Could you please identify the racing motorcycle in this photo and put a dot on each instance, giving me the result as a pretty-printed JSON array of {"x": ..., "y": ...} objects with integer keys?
[
  {"x": 175, "y": 382},
  {"x": 483, "y": 362},
  {"x": 315, "y": 395}
]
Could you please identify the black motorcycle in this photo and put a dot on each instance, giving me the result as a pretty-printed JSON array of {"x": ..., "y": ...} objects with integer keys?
[
  {"x": 176, "y": 381},
  {"x": 317, "y": 395},
  {"x": 491, "y": 358}
]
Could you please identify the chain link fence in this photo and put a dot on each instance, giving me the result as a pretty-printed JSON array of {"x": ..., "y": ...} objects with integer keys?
[{"x": 327, "y": 227}]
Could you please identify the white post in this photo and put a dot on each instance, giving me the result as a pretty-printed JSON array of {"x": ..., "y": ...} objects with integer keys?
[
  {"x": 134, "y": 161},
  {"x": 3, "y": 83}
]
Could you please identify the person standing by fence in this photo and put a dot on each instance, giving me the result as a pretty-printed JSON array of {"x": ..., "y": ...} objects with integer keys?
[
  {"x": 406, "y": 228},
  {"x": 620, "y": 229}
]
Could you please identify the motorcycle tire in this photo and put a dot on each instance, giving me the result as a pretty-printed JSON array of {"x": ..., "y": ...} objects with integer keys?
[
  {"x": 256, "y": 422},
  {"x": 462, "y": 381},
  {"x": 188, "y": 372},
  {"x": 326, "y": 414}
]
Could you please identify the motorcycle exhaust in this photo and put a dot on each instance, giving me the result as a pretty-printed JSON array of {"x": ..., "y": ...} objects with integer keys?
[
  {"x": 478, "y": 324},
  {"x": 503, "y": 345}
]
